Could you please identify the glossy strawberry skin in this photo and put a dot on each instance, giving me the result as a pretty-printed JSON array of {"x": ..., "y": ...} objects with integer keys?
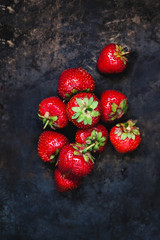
[
  {"x": 65, "y": 183},
  {"x": 69, "y": 162},
  {"x": 74, "y": 80},
  {"x": 108, "y": 63},
  {"x": 54, "y": 106},
  {"x": 109, "y": 97},
  {"x": 123, "y": 146},
  {"x": 83, "y": 134},
  {"x": 49, "y": 143},
  {"x": 73, "y": 103}
]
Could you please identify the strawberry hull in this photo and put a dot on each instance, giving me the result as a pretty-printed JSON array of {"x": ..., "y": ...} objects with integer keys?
[
  {"x": 84, "y": 110},
  {"x": 94, "y": 138}
]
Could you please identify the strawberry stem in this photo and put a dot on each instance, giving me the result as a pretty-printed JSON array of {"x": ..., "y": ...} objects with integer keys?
[
  {"x": 47, "y": 122},
  {"x": 125, "y": 53},
  {"x": 87, "y": 148}
]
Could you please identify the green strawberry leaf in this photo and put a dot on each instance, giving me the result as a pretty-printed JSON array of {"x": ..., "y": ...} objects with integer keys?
[
  {"x": 54, "y": 118},
  {"x": 44, "y": 120},
  {"x": 136, "y": 132},
  {"x": 96, "y": 147},
  {"x": 133, "y": 137},
  {"x": 76, "y": 153},
  {"x": 95, "y": 114},
  {"x": 90, "y": 101},
  {"x": 89, "y": 120},
  {"x": 76, "y": 109},
  {"x": 76, "y": 115},
  {"x": 79, "y": 101},
  {"x": 102, "y": 139},
  {"x": 80, "y": 119},
  {"x": 93, "y": 133},
  {"x": 113, "y": 118},
  {"x": 74, "y": 91},
  {"x": 86, "y": 158},
  {"x": 52, "y": 157},
  {"x": 124, "y": 136},
  {"x": 67, "y": 95},
  {"x": 99, "y": 135},
  {"x": 101, "y": 144},
  {"x": 75, "y": 147},
  {"x": 129, "y": 135},
  {"x": 85, "y": 100},
  {"x": 114, "y": 107},
  {"x": 85, "y": 120},
  {"x": 126, "y": 125},
  {"x": 88, "y": 141},
  {"x": 94, "y": 104},
  {"x": 123, "y": 104}
]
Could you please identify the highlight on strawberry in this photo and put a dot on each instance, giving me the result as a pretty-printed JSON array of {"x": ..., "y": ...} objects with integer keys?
[{"x": 125, "y": 137}]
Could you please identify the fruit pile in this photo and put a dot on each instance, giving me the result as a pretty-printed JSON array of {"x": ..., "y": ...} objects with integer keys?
[{"x": 78, "y": 104}]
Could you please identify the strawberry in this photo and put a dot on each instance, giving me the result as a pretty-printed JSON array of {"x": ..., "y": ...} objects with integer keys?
[
  {"x": 65, "y": 183},
  {"x": 49, "y": 145},
  {"x": 125, "y": 137},
  {"x": 84, "y": 110},
  {"x": 94, "y": 138},
  {"x": 112, "y": 59},
  {"x": 114, "y": 105},
  {"x": 73, "y": 81},
  {"x": 52, "y": 111},
  {"x": 74, "y": 159}
]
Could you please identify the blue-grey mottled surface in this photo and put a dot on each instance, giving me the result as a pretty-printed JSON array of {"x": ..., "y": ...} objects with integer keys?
[{"x": 120, "y": 200}]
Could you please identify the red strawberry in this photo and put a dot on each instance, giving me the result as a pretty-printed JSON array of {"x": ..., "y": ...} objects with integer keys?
[
  {"x": 53, "y": 112},
  {"x": 73, "y": 81},
  {"x": 94, "y": 138},
  {"x": 65, "y": 183},
  {"x": 112, "y": 59},
  {"x": 49, "y": 145},
  {"x": 84, "y": 110},
  {"x": 125, "y": 137},
  {"x": 114, "y": 105},
  {"x": 74, "y": 159}
]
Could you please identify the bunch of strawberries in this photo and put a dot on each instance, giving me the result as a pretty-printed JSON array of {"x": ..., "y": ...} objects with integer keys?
[{"x": 78, "y": 104}]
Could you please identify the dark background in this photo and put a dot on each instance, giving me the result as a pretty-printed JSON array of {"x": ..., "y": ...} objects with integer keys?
[{"x": 120, "y": 200}]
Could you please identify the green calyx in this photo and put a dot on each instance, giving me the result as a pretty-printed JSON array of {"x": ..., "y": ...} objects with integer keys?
[
  {"x": 85, "y": 110},
  {"x": 127, "y": 129},
  {"x": 94, "y": 141},
  {"x": 81, "y": 150},
  {"x": 49, "y": 120},
  {"x": 121, "y": 54},
  {"x": 118, "y": 111},
  {"x": 74, "y": 92},
  {"x": 53, "y": 157}
]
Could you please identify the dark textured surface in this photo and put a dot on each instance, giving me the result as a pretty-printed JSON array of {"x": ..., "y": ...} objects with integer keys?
[{"x": 120, "y": 200}]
